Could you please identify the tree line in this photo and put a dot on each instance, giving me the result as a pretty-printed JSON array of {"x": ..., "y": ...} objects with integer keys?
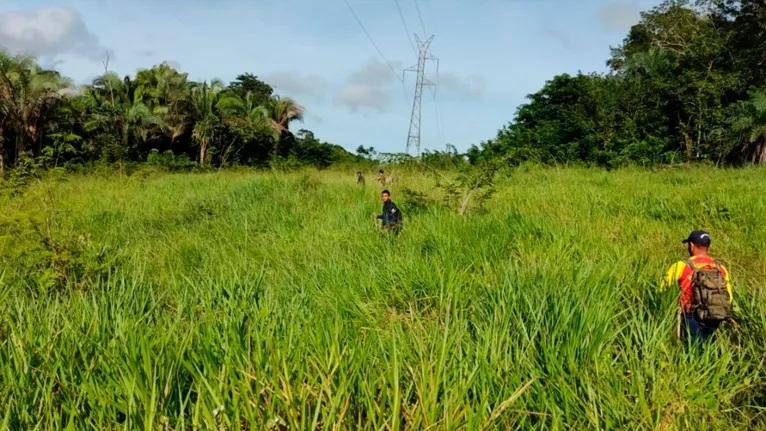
[
  {"x": 159, "y": 116},
  {"x": 687, "y": 84}
]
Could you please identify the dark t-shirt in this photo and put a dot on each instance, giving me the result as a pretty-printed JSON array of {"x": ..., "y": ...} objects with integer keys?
[{"x": 391, "y": 214}]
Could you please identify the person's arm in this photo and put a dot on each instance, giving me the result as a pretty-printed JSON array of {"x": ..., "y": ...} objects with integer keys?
[
  {"x": 386, "y": 217},
  {"x": 395, "y": 215},
  {"x": 672, "y": 276},
  {"x": 382, "y": 216}
]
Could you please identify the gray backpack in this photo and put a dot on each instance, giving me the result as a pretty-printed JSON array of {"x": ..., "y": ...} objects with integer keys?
[{"x": 711, "y": 298}]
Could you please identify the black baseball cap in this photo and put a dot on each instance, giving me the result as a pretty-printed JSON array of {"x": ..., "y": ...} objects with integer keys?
[{"x": 698, "y": 237}]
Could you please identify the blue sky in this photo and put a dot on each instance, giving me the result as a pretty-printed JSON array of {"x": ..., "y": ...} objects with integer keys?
[{"x": 492, "y": 53}]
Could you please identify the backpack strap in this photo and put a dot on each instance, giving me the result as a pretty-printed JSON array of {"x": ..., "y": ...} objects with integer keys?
[
  {"x": 718, "y": 268},
  {"x": 695, "y": 289},
  {"x": 690, "y": 263}
]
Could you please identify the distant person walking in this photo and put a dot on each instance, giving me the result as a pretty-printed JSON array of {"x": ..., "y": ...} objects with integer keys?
[
  {"x": 705, "y": 290},
  {"x": 383, "y": 179},
  {"x": 359, "y": 178},
  {"x": 391, "y": 218}
]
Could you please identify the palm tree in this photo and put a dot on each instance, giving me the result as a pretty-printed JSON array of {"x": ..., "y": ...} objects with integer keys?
[
  {"x": 259, "y": 117},
  {"x": 199, "y": 110},
  {"x": 284, "y": 111},
  {"x": 2, "y": 146},
  {"x": 164, "y": 86},
  {"x": 248, "y": 114},
  {"x": 5, "y": 65},
  {"x": 27, "y": 96},
  {"x": 653, "y": 63},
  {"x": 749, "y": 123},
  {"x": 118, "y": 107},
  {"x": 249, "y": 121}
]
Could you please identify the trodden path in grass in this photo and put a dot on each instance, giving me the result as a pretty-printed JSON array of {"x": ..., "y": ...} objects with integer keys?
[{"x": 256, "y": 300}]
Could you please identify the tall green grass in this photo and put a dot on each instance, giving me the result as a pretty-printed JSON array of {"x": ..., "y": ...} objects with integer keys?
[{"x": 257, "y": 300}]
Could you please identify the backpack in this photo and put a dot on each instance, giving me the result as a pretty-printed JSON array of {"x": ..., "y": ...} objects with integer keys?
[{"x": 711, "y": 301}]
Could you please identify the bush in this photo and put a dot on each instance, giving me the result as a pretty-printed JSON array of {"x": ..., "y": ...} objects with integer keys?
[
  {"x": 472, "y": 188},
  {"x": 47, "y": 259},
  {"x": 414, "y": 201},
  {"x": 170, "y": 161}
]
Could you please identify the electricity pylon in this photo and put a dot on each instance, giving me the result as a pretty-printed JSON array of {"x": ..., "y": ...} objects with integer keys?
[{"x": 413, "y": 137}]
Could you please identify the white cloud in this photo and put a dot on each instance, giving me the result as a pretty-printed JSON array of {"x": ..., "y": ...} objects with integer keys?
[
  {"x": 298, "y": 84},
  {"x": 619, "y": 16},
  {"x": 369, "y": 86},
  {"x": 357, "y": 96},
  {"x": 376, "y": 73},
  {"x": 49, "y": 31},
  {"x": 472, "y": 87},
  {"x": 372, "y": 84}
]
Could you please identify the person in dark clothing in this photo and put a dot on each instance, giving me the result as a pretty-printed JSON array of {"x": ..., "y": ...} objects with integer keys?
[
  {"x": 391, "y": 217},
  {"x": 359, "y": 178}
]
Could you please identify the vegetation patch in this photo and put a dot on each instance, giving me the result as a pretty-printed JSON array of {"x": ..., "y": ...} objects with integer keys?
[{"x": 265, "y": 297}]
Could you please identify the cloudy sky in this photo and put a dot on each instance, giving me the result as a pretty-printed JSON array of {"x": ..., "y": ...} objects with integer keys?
[{"x": 492, "y": 53}]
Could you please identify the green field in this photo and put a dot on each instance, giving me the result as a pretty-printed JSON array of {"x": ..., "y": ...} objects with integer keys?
[{"x": 257, "y": 300}]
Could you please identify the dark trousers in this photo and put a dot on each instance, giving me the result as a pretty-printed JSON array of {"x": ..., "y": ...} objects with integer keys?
[
  {"x": 694, "y": 332},
  {"x": 391, "y": 228}
]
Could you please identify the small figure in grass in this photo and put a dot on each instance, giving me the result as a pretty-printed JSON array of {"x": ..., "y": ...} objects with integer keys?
[
  {"x": 359, "y": 178},
  {"x": 706, "y": 296},
  {"x": 391, "y": 218},
  {"x": 384, "y": 180}
]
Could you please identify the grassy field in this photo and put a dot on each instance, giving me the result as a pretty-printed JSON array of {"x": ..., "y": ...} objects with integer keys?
[{"x": 263, "y": 300}]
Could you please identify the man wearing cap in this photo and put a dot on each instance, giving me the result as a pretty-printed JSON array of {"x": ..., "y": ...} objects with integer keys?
[
  {"x": 680, "y": 274},
  {"x": 391, "y": 216}
]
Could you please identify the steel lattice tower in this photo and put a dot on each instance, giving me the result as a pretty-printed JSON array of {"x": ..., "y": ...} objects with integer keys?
[{"x": 413, "y": 137}]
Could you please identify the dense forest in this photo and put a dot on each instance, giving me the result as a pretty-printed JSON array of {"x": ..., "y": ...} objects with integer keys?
[
  {"x": 687, "y": 84},
  {"x": 158, "y": 116}
]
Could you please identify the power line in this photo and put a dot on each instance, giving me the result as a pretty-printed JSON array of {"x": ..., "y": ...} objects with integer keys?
[
  {"x": 420, "y": 16},
  {"x": 406, "y": 30},
  {"x": 393, "y": 70},
  {"x": 373, "y": 42}
]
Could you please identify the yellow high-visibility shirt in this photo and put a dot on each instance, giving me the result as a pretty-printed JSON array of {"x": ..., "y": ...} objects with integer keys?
[{"x": 680, "y": 275}]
